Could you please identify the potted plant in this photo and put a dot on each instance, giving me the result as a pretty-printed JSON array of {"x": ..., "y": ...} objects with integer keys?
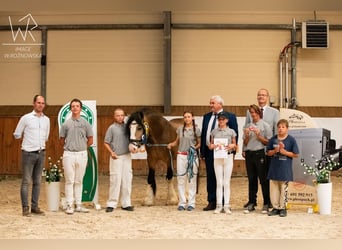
[
  {"x": 54, "y": 172},
  {"x": 52, "y": 176},
  {"x": 321, "y": 171},
  {"x": 322, "y": 168}
]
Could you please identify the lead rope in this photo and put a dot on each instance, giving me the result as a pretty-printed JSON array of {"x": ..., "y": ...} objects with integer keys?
[
  {"x": 144, "y": 140},
  {"x": 191, "y": 160},
  {"x": 192, "y": 156}
]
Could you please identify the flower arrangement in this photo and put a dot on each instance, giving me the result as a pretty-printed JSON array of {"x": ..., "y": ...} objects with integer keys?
[
  {"x": 322, "y": 168},
  {"x": 54, "y": 172}
]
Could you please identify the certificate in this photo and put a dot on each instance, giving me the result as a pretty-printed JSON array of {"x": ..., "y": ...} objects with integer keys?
[{"x": 220, "y": 150}]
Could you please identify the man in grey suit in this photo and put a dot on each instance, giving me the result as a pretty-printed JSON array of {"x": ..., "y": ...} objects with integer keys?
[{"x": 271, "y": 116}]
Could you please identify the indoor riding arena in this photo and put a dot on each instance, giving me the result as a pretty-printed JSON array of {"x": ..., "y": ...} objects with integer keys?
[{"x": 171, "y": 57}]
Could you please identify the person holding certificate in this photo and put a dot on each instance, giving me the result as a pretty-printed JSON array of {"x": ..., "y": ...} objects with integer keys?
[{"x": 223, "y": 143}]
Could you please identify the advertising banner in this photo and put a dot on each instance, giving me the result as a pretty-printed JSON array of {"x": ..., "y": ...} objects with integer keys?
[{"x": 301, "y": 191}]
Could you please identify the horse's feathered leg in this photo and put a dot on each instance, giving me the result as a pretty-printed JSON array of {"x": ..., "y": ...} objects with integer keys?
[
  {"x": 152, "y": 180},
  {"x": 172, "y": 198},
  {"x": 151, "y": 189},
  {"x": 169, "y": 173}
]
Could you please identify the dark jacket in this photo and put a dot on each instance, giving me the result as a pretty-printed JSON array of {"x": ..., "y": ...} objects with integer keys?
[{"x": 232, "y": 123}]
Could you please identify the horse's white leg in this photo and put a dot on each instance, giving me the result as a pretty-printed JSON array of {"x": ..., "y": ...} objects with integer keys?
[
  {"x": 149, "y": 198},
  {"x": 172, "y": 198}
]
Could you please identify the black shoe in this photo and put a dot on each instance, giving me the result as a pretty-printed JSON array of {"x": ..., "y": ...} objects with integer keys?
[
  {"x": 264, "y": 209},
  {"x": 109, "y": 209},
  {"x": 282, "y": 213},
  {"x": 190, "y": 208},
  {"x": 274, "y": 211},
  {"x": 249, "y": 208},
  {"x": 37, "y": 211},
  {"x": 211, "y": 206},
  {"x": 246, "y": 205},
  {"x": 129, "y": 208},
  {"x": 181, "y": 208}
]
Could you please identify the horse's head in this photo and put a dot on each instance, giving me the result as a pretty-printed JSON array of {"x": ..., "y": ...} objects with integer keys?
[
  {"x": 149, "y": 128},
  {"x": 137, "y": 129}
]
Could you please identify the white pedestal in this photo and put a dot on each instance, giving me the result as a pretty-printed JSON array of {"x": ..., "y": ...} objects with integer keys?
[
  {"x": 53, "y": 195},
  {"x": 324, "y": 196}
]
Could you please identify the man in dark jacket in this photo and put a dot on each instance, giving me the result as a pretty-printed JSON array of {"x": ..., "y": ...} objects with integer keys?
[{"x": 208, "y": 124}]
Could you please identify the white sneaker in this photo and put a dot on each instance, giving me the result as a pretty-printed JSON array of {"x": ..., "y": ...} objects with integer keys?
[
  {"x": 227, "y": 210},
  {"x": 81, "y": 209},
  {"x": 69, "y": 210},
  {"x": 218, "y": 210}
]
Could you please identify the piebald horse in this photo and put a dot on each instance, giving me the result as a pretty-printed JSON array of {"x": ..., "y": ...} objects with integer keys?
[{"x": 149, "y": 130}]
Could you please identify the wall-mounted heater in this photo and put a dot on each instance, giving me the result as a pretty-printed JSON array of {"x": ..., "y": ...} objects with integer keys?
[{"x": 315, "y": 35}]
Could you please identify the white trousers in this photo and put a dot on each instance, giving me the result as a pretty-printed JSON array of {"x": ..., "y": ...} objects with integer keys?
[
  {"x": 183, "y": 181},
  {"x": 74, "y": 164},
  {"x": 120, "y": 179},
  {"x": 223, "y": 172}
]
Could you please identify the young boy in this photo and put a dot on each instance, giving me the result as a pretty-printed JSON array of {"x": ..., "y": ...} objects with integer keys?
[
  {"x": 283, "y": 148},
  {"x": 120, "y": 164}
]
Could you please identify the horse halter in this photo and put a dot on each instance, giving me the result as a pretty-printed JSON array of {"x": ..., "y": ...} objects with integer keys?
[{"x": 143, "y": 141}]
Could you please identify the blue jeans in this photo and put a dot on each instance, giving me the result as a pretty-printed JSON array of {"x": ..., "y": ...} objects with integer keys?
[{"x": 32, "y": 167}]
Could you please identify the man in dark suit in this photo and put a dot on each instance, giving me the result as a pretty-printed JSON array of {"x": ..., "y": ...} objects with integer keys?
[{"x": 208, "y": 124}]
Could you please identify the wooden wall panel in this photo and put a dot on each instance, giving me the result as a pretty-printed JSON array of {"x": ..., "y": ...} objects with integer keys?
[
  {"x": 10, "y": 152},
  {"x": 10, "y": 148}
]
